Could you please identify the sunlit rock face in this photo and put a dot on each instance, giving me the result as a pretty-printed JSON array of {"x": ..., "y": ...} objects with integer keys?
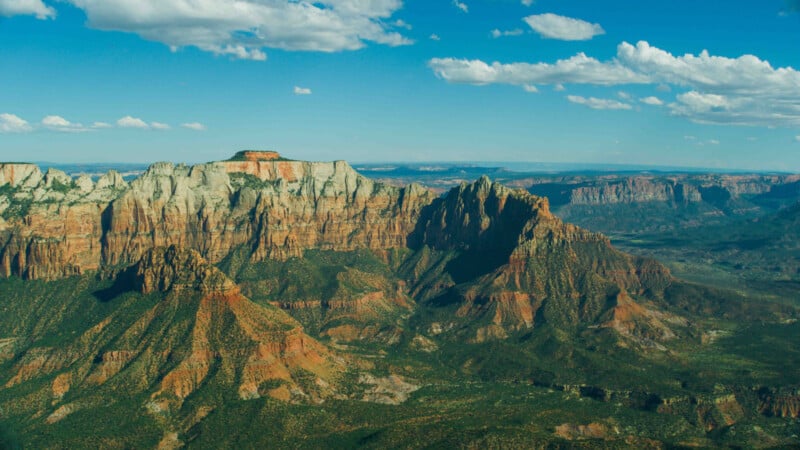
[{"x": 54, "y": 226}]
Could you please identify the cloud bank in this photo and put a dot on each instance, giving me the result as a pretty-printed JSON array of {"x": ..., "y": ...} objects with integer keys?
[
  {"x": 714, "y": 89},
  {"x": 242, "y": 29}
]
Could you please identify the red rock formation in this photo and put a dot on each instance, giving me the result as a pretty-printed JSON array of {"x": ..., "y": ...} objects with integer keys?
[{"x": 283, "y": 209}]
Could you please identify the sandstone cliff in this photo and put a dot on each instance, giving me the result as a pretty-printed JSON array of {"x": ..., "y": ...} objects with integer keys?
[
  {"x": 53, "y": 226},
  {"x": 512, "y": 263},
  {"x": 639, "y": 203}
]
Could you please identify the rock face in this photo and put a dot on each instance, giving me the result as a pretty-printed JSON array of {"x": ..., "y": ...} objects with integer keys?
[
  {"x": 513, "y": 263},
  {"x": 676, "y": 189},
  {"x": 276, "y": 208},
  {"x": 201, "y": 330},
  {"x": 501, "y": 250},
  {"x": 644, "y": 203}
]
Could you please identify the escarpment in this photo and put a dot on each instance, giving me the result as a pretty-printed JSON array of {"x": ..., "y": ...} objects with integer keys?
[
  {"x": 53, "y": 226},
  {"x": 512, "y": 263},
  {"x": 502, "y": 250}
]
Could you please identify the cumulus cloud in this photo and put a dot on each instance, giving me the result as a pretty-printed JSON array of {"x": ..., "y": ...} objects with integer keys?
[
  {"x": 737, "y": 91},
  {"x": 159, "y": 126},
  {"x": 553, "y": 26},
  {"x": 195, "y": 126},
  {"x": 58, "y": 123},
  {"x": 435, "y": 37},
  {"x": 530, "y": 88},
  {"x": 132, "y": 122},
  {"x": 653, "y": 101},
  {"x": 10, "y": 123},
  {"x": 462, "y": 6},
  {"x": 244, "y": 28},
  {"x": 36, "y": 8},
  {"x": 713, "y": 89},
  {"x": 301, "y": 91},
  {"x": 496, "y": 33},
  {"x": 624, "y": 95},
  {"x": 598, "y": 103}
]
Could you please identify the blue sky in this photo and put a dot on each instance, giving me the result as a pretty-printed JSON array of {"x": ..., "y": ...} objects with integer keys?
[{"x": 680, "y": 83}]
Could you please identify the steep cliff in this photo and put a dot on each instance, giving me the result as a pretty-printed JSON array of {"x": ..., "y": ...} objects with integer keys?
[
  {"x": 649, "y": 202},
  {"x": 509, "y": 262},
  {"x": 276, "y": 208}
]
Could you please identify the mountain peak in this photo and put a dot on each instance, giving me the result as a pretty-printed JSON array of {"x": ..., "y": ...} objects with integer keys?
[{"x": 176, "y": 269}]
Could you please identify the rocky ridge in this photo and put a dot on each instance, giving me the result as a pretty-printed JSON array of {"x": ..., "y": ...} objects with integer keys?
[{"x": 276, "y": 208}]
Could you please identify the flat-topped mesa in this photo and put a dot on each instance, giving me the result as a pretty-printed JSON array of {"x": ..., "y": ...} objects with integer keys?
[{"x": 256, "y": 155}]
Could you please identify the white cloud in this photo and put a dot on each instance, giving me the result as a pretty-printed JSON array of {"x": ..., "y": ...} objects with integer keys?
[
  {"x": 553, "y": 26},
  {"x": 713, "y": 89},
  {"x": 690, "y": 138},
  {"x": 797, "y": 138},
  {"x": 462, "y": 6},
  {"x": 598, "y": 103},
  {"x": 578, "y": 69},
  {"x": 713, "y": 142},
  {"x": 496, "y": 33},
  {"x": 58, "y": 123},
  {"x": 159, "y": 126},
  {"x": 559, "y": 88},
  {"x": 301, "y": 91},
  {"x": 132, "y": 122},
  {"x": 653, "y": 101},
  {"x": 530, "y": 88},
  {"x": 400, "y": 23},
  {"x": 435, "y": 37},
  {"x": 36, "y": 8},
  {"x": 735, "y": 91},
  {"x": 196, "y": 126},
  {"x": 55, "y": 121},
  {"x": 244, "y": 28},
  {"x": 100, "y": 125},
  {"x": 624, "y": 95},
  {"x": 9, "y": 123},
  {"x": 528, "y": 2}
]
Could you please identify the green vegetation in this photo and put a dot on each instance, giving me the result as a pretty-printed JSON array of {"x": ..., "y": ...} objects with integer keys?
[
  {"x": 246, "y": 180},
  {"x": 610, "y": 352},
  {"x": 62, "y": 187}
]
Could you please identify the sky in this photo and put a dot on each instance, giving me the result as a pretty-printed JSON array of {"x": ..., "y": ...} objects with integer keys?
[{"x": 712, "y": 84}]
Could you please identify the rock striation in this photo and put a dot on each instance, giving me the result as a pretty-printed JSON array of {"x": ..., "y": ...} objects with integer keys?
[
  {"x": 512, "y": 263},
  {"x": 53, "y": 227}
]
